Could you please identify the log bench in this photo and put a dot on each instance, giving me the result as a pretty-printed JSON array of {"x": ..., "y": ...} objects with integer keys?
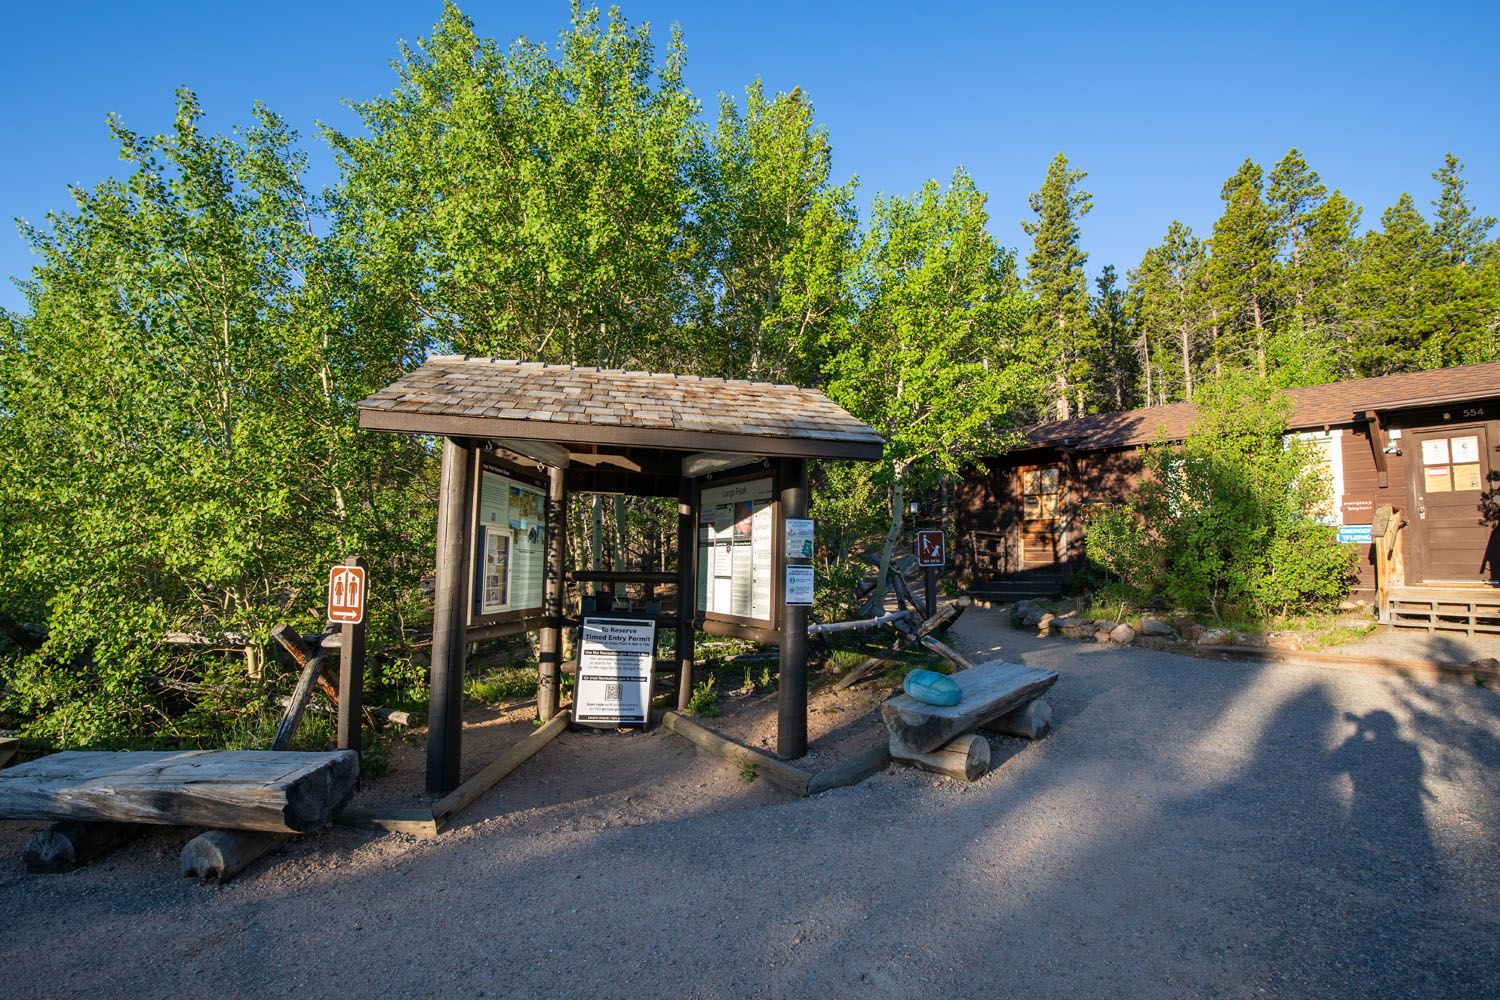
[
  {"x": 997, "y": 696},
  {"x": 271, "y": 791}
]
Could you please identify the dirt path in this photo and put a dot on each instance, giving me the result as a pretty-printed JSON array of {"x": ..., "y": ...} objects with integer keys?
[{"x": 1192, "y": 828}]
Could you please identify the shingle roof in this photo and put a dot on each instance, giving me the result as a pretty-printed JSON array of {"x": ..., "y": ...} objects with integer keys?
[
  {"x": 457, "y": 394},
  {"x": 1312, "y": 406}
]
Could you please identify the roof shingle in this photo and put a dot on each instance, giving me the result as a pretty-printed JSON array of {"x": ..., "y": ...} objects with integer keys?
[
  {"x": 1312, "y": 406},
  {"x": 495, "y": 389}
]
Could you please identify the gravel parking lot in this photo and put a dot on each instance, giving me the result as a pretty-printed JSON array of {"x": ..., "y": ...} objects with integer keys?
[{"x": 1191, "y": 828}]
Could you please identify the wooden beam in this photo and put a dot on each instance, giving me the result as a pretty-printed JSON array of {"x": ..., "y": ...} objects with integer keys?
[
  {"x": 464, "y": 795},
  {"x": 751, "y": 446},
  {"x": 966, "y": 757},
  {"x": 552, "y": 455},
  {"x": 352, "y": 675},
  {"x": 553, "y": 565},
  {"x": 280, "y": 792},
  {"x": 791, "y": 684},
  {"x": 297, "y": 704},
  {"x": 220, "y": 855},
  {"x": 687, "y": 588},
  {"x": 414, "y": 822},
  {"x": 706, "y": 463},
  {"x": 71, "y": 843},
  {"x": 777, "y": 772},
  {"x": 450, "y": 615},
  {"x": 1379, "y": 441},
  {"x": 852, "y": 771}
]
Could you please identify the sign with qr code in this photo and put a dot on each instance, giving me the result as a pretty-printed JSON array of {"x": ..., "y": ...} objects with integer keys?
[{"x": 615, "y": 657}]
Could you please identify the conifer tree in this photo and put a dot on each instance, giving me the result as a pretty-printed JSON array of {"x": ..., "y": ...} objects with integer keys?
[
  {"x": 1170, "y": 286},
  {"x": 1058, "y": 330},
  {"x": 1460, "y": 232},
  {"x": 1243, "y": 271}
]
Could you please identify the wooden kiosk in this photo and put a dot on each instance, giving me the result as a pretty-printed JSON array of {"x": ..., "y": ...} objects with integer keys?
[{"x": 518, "y": 438}]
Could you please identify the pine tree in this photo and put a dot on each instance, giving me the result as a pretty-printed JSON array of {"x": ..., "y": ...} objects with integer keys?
[
  {"x": 1295, "y": 195},
  {"x": 1058, "y": 329},
  {"x": 1392, "y": 293},
  {"x": 1243, "y": 269},
  {"x": 1172, "y": 314},
  {"x": 1114, "y": 362},
  {"x": 1460, "y": 232}
]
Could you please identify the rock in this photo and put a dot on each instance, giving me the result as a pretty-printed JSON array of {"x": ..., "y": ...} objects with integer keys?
[
  {"x": 1348, "y": 606},
  {"x": 1101, "y": 636},
  {"x": 1074, "y": 628},
  {"x": 1485, "y": 663},
  {"x": 1044, "y": 624},
  {"x": 1032, "y": 617},
  {"x": 1122, "y": 634},
  {"x": 1213, "y": 636},
  {"x": 1156, "y": 627},
  {"x": 1188, "y": 629}
]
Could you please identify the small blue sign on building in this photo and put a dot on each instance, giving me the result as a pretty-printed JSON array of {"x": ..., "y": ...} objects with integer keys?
[{"x": 1357, "y": 534}]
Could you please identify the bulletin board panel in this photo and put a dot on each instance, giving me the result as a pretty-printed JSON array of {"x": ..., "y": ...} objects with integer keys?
[
  {"x": 740, "y": 556},
  {"x": 510, "y": 545}
]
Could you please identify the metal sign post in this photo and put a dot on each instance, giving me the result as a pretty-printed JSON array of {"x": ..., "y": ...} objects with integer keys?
[{"x": 932, "y": 555}]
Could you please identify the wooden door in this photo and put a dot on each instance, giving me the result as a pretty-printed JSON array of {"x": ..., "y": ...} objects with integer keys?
[
  {"x": 1041, "y": 497},
  {"x": 1449, "y": 472}
]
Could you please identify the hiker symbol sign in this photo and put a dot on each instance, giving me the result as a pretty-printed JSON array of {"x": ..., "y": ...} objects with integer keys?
[{"x": 930, "y": 549}]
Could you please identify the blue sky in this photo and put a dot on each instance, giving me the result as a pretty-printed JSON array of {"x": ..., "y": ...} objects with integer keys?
[{"x": 1159, "y": 103}]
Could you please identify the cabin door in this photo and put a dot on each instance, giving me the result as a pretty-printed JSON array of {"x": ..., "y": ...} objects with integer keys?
[
  {"x": 1449, "y": 472},
  {"x": 1041, "y": 490}
]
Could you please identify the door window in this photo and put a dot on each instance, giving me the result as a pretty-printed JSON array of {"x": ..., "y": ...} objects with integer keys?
[{"x": 1451, "y": 465}]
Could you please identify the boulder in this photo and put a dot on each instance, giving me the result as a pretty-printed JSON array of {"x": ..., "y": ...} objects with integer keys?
[
  {"x": 1485, "y": 663},
  {"x": 1188, "y": 629},
  {"x": 1156, "y": 627},
  {"x": 1101, "y": 636},
  {"x": 1044, "y": 624},
  {"x": 1104, "y": 625},
  {"x": 1122, "y": 634},
  {"x": 1213, "y": 637}
]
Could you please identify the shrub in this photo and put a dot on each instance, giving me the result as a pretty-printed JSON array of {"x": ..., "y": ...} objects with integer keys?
[{"x": 1226, "y": 521}]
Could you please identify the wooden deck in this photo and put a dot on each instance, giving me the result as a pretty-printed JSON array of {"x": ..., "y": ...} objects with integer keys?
[{"x": 1470, "y": 610}]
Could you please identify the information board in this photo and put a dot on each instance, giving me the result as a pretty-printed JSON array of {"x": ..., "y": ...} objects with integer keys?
[
  {"x": 799, "y": 586},
  {"x": 511, "y": 538},
  {"x": 615, "y": 657},
  {"x": 735, "y": 549}
]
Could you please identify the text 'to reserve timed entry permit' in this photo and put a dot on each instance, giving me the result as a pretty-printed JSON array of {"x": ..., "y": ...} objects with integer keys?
[{"x": 615, "y": 657}]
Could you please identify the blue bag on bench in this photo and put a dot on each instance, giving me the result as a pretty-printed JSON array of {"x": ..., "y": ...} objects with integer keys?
[{"x": 932, "y": 687}]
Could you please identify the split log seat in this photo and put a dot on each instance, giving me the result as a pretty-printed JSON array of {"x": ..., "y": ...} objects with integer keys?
[
  {"x": 989, "y": 691},
  {"x": 270, "y": 790}
]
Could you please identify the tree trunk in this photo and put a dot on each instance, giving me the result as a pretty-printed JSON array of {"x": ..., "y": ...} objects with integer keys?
[
  {"x": 1187, "y": 361},
  {"x": 620, "y": 561},
  {"x": 876, "y": 600}
]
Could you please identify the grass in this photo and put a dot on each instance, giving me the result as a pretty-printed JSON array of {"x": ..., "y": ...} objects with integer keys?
[
  {"x": 705, "y": 698},
  {"x": 505, "y": 684}
]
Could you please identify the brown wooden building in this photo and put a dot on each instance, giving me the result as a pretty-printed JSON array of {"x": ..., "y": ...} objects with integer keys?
[{"x": 1426, "y": 445}]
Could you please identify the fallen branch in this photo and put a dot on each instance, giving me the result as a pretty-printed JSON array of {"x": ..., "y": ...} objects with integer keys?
[{"x": 859, "y": 625}]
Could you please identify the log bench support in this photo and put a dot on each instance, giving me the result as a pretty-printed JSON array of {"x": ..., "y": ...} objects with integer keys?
[
  {"x": 220, "y": 855},
  {"x": 966, "y": 758},
  {"x": 1032, "y": 721},
  {"x": 71, "y": 844}
]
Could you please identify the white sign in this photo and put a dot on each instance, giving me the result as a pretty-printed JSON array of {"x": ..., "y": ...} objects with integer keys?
[
  {"x": 1435, "y": 451},
  {"x": 735, "y": 548},
  {"x": 512, "y": 544},
  {"x": 615, "y": 656},
  {"x": 799, "y": 538},
  {"x": 1466, "y": 449},
  {"x": 799, "y": 586}
]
